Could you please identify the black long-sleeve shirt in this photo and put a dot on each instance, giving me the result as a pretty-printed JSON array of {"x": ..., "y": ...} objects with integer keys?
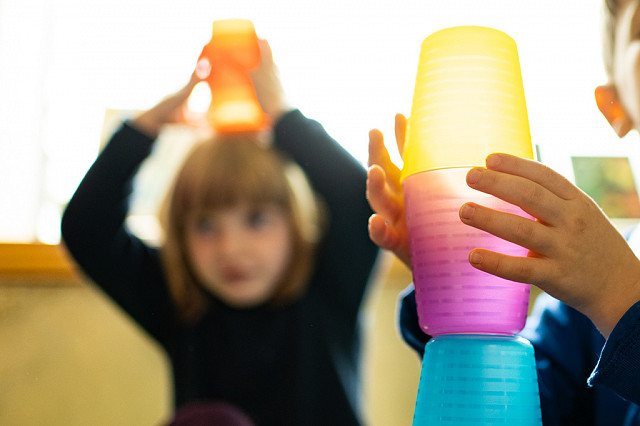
[{"x": 296, "y": 365}]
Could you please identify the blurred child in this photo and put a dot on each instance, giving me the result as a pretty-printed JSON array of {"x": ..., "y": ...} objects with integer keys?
[
  {"x": 256, "y": 288},
  {"x": 575, "y": 255}
]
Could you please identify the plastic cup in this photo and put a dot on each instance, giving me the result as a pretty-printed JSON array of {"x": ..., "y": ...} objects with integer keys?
[
  {"x": 468, "y": 103},
  {"x": 226, "y": 60},
  {"x": 451, "y": 295},
  {"x": 478, "y": 379}
]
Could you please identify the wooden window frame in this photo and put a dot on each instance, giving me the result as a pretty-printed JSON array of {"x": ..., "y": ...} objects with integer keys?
[{"x": 40, "y": 264}]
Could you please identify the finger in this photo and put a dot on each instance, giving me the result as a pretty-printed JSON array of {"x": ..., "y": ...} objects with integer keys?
[
  {"x": 382, "y": 198},
  {"x": 388, "y": 238},
  {"x": 202, "y": 70},
  {"x": 530, "y": 196},
  {"x": 401, "y": 130},
  {"x": 266, "y": 54},
  {"x": 533, "y": 171},
  {"x": 180, "y": 96},
  {"x": 519, "y": 230},
  {"x": 380, "y": 233},
  {"x": 378, "y": 155},
  {"x": 531, "y": 270}
]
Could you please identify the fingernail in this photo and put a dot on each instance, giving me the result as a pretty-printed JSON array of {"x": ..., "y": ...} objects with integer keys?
[
  {"x": 473, "y": 176},
  {"x": 493, "y": 161},
  {"x": 475, "y": 258},
  {"x": 466, "y": 211}
]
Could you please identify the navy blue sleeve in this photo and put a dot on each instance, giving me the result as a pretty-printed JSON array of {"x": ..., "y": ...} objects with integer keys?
[
  {"x": 566, "y": 347},
  {"x": 408, "y": 322},
  {"x": 619, "y": 365}
]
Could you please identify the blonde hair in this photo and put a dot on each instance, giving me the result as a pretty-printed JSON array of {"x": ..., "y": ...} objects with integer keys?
[
  {"x": 609, "y": 19},
  {"x": 225, "y": 172}
]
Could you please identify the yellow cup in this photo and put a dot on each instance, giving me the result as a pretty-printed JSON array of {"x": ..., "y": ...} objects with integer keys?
[{"x": 468, "y": 101}]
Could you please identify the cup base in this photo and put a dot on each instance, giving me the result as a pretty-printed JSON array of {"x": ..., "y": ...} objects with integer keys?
[{"x": 478, "y": 379}]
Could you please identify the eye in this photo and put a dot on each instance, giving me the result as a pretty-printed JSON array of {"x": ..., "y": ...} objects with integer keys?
[
  {"x": 263, "y": 216},
  {"x": 259, "y": 218},
  {"x": 205, "y": 225}
]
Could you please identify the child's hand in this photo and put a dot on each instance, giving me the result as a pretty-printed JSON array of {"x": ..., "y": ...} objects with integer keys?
[
  {"x": 576, "y": 255},
  {"x": 266, "y": 82},
  {"x": 170, "y": 110},
  {"x": 387, "y": 226}
]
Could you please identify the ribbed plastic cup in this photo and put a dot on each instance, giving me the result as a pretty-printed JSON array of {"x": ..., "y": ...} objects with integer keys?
[
  {"x": 451, "y": 295},
  {"x": 226, "y": 61},
  {"x": 468, "y": 103},
  {"x": 478, "y": 380}
]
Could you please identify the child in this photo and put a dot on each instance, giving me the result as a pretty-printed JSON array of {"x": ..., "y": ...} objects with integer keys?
[
  {"x": 575, "y": 255},
  {"x": 255, "y": 307}
]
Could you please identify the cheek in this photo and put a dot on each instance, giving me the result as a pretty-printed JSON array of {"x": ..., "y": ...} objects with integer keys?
[
  {"x": 281, "y": 249},
  {"x": 636, "y": 86},
  {"x": 199, "y": 254}
]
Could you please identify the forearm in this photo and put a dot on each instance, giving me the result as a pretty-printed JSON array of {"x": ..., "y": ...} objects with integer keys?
[
  {"x": 347, "y": 254},
  {"x": 93, "y": 229},
  {"x": 98, "y": 208},
  {"x": 330, "y": 168}
]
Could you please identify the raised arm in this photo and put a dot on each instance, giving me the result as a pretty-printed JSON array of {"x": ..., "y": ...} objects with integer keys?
[
  {"x": 93, "y": 224},
  {"x": 347, "y": 254}
]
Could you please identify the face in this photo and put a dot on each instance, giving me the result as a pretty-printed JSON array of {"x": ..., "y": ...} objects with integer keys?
[
  {"x": 626, "y": 62},
  {"x": 241, "y": 253}
]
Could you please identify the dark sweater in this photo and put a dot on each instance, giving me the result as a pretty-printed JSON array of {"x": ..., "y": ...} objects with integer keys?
[{"x": 297, "y": 365}]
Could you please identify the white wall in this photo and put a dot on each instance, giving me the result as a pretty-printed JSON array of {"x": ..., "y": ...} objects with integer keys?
[{"x": 349, "y": 64}]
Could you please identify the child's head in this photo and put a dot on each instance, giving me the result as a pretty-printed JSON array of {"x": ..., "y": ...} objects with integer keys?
[
  {"x": 241, "y": 224},
  {"x": 619, "y": 100}
]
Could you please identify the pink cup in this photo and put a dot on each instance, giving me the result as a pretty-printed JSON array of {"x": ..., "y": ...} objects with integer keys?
[{"x": 452, "y": 296}]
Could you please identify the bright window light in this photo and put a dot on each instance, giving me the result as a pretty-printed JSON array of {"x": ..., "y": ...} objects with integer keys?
[{"x": 349, "y": 64}]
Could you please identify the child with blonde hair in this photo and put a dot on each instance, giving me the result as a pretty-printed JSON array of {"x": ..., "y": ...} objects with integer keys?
[{"x": 256, "y": 288}]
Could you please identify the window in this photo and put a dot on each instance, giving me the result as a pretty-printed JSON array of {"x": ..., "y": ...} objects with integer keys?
[{"x": 351, "y": 65}]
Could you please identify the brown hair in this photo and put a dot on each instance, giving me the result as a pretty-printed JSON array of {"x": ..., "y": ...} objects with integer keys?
[
  {"x": 609, "y": 14},
  {"x": 222, "y": 173}
]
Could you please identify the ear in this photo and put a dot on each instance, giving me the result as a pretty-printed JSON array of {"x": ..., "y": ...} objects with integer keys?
[{"x": 610, "y": 106}]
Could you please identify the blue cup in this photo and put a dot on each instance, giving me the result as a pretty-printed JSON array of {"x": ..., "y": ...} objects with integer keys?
[{"x": 478, "y": 379}]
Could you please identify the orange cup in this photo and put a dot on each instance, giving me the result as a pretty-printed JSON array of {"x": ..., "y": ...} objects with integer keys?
[{"x": 226, "y": 61}]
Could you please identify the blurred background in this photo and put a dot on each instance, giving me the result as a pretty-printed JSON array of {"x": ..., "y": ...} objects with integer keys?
[
  {"x": 349, "y": 64},
  {"x": 70, "y": 69}
]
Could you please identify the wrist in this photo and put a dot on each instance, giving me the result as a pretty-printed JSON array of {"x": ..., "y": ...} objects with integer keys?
[
  {"x": 277, "y": 113},
  {"x": 144, "y": 124},
  {"x": 616, "y": 300}
]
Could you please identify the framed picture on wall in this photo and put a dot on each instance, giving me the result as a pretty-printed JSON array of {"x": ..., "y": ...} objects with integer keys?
[{"x": 609, "y": 174}]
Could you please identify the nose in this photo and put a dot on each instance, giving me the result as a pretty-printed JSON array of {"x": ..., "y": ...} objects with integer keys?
[{"x": 232, "y": 243}]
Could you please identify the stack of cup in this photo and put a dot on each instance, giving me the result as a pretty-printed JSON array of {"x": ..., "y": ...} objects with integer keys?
[{"x": 468, "y": 103}]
